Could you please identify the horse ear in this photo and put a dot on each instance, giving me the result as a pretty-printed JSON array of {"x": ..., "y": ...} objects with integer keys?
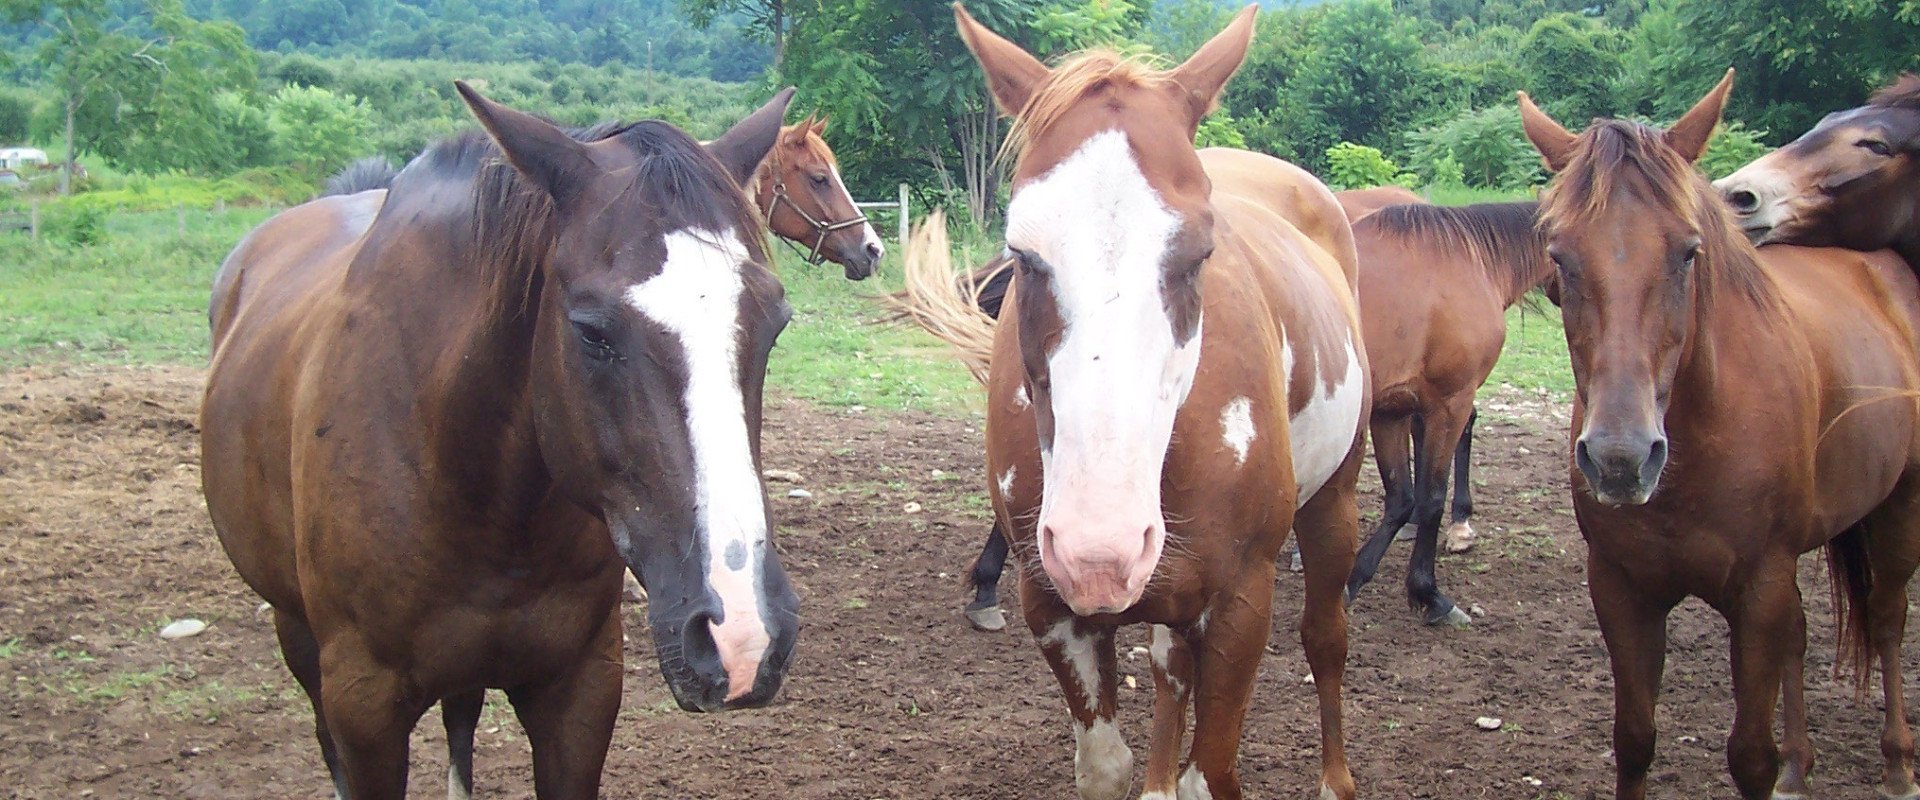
[
  {"x": 1689, "y": 135},
  {"x": 1012, "y": 73},
  {"x": 820, "y": 126},
  {"x": 1205, "y": 73},
  {"x": 745, "y": 145},
  {"x": 1550, "y": 138},
  {"x": 537, "y": 149}
]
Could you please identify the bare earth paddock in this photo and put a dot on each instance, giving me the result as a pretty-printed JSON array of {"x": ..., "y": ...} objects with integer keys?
[{"x": 104, "y": 538}]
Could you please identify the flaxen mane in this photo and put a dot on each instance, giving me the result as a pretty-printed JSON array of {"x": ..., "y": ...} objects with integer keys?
[
  {"x": 1616, "y": 156},
  {"x": 1503, "y": 237},
  {"x": 1083, "y": 74}
]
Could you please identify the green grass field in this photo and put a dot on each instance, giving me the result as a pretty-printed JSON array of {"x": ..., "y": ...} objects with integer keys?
[{"x": 139, "y": 296}]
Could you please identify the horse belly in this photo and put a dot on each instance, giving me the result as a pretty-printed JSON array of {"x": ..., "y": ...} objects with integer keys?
[{"x": 1323, "y": 430}]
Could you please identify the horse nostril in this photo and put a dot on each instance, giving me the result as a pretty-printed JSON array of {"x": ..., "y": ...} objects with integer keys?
[
  {"x": 1743, "y": 201},
  {"x": 1657, "y": 455},
  {"x": 874, "y": 251},
  {"x": 1582, "y": 459}
]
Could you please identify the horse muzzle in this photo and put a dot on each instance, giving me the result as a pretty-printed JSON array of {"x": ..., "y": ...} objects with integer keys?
[
  {"x": 1621, "y": 469},
  {"x": 1100, "y": 568},
  {"x": 712, "y": 665}
]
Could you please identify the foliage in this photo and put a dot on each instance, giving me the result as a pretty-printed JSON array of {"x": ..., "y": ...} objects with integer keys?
[
  {"x": 1733, "y": 146},
  {"x": 16, "y": 115},
  {"x": 1218, "y": 130},
  {"x": 1486, "y": 146},
  {"x": 1571, "y": 66},
  {"x": 1368, "y": 76},
  {"x": 1357, "y": 166},
  {"x": 75, "y": 224},
  {"x": 320, "y": 131}
]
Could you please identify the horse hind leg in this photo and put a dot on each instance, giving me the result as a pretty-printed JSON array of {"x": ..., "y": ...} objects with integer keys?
[
  {"x": 1328, "y": 525},
  {"x": 1439, "y": 432},
  {"x": 460, "y": 715},
  {"x": 1391, "y": 438},
  {"x": 302, "y": 654},
  {"x": 984, "y": 577},
  {"x": 1460, "y": 536}
]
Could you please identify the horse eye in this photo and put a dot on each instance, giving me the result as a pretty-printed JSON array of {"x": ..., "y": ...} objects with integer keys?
[
  {"x": 819, "y": 180},
  {"x": 1028, "y": 262},
  {"x": 1876, "y": 147},
  {"x": 1692, "y": 253},
  {"x": 596, "y": 341}
]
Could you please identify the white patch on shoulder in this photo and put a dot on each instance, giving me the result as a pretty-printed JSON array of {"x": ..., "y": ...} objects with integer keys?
[
  {"x": 1006, "y": 483},
  {"x": 1236, "y": 427},
  {"x": 1160, "y": 648},
  {"x": 1102, "y": 762},
  {"x": 696, "y": 296},
  {"x": 1079, "y": 651},
  {"x": 1323, "y": 430},
  {"x": 1193, "y": 785}
]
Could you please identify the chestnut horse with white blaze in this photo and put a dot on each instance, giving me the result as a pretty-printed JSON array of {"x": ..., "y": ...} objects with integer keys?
[
  {"x": 442, "y": 418},
  {"x": 1178, "y": 379},
  {"x": 1734, "y": 409},
  {"x": 1853, "y": 181},
  {"x": 799, "y": 190}
]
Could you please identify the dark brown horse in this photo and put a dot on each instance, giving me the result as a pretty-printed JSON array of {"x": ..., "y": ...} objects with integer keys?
[
  {"x": 440, "y": 419},
  {"x": 1178, "y": 381},
  {"x": 1435, "y": 284},
  {"x": 1734, "y": 409},
  {"x": 798, "y": 189},
  {"x": 1853, "y": 181}
]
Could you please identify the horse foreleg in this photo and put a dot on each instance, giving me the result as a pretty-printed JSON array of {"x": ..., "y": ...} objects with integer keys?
[
  {"x": 371, "y": 710},
  {"x": 569, "y": 719},
  {"x": 1762, "y": 621},
  {"x": 1459, "y": 538},
  {"x": 1391, "y": 440},
  {"x": 460, "y": 715},
  {"x": 1226, "y": 656},
  {"x": 303, "y": 660},
  {"x": 1635, "y": 630},
  {"x": 984, "y": 576},
  {"x": 1796, "y": 749},
  {"x": 1439, "y": 432},
  {"x": 1327, "y": 526},
  {"x": 1894, "y": 541},
  {"x": 1172, "y": 690},
  {"x": 1082, "y": 657}
]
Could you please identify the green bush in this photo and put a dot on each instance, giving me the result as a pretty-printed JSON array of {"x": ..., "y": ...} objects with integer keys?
[
  {"x": 1357, "y": 166},
  {"x": 1733, "y": 146},
  {"x": 1486, "y": 145},
  {"x": 1219, "y": 130},
  {"x": 75, "y": 223},
  {"x": 16, "y": 115}
]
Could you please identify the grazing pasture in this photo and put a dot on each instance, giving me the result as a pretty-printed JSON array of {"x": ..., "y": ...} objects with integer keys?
[{"x": 891, "y": 694}]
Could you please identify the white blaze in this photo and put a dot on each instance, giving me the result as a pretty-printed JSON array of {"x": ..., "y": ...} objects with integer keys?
[{"x": 696, "y": 296}]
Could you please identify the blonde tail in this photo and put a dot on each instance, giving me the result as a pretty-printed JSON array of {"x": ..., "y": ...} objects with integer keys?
[{"x": 941, "y": 301}]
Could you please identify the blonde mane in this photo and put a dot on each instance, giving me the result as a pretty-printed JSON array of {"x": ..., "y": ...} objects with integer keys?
[{"x": 1081, "y": 74}]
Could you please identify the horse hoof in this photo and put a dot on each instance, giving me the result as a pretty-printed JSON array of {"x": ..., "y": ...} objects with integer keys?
[
  {"x": 1453, "y": 616},
  {"x": 989, "y": 619},
  {"x": 1459, "y": 538},
  {"x": 1406, "y": 534}
]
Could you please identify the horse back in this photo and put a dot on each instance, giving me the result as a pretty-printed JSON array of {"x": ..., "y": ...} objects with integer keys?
[{"x": 1292, "y": 193}]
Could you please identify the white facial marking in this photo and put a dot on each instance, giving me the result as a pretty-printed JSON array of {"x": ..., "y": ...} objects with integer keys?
[
  {"x": 1193, "y": 785},
  {"x": 1079, "y": 651},
  {"x": 1102, "y": 762},
  {"x": 1236, "y": 427},
  {"x": 1117, "y": 375},
  {"x": 1323, "y": 430},
  {"x": 696, "y": 296},
  {"x": 868, "y": 237},
  {"x": 1006, "y": 483},
  {"x": 1160, "y": 648}
]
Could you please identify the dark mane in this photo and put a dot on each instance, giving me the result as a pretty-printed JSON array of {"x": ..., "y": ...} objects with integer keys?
[
  {"x": 1612, "y": 153},
  {"x": 1904, "y": 92},
  {"x": 372, "y": 172},
  {"x": 1503, "y": 237},
  {"x": 511, "y": 223}
]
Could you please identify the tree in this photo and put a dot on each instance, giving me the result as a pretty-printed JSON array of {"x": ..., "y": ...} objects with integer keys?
[
  {"x": 1369, "y": 75},
  {"x": 1570, "y": 66},
  {"x": 16, "y": 116},
  {"x": 768, "y": 19},
  {"x": 84, "y": 58},
  {"x": 318, "y": 130},
  {"x": 1486, "y": 145}
]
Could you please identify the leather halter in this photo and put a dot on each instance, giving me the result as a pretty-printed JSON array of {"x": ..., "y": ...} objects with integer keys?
[{"x": 821, "y": 228}]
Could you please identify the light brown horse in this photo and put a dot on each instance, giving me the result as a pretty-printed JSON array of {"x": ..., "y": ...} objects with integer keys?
[
  {"x": 439, "y": 420},
  {"x": 1734, "y": 409},
  {"x": 1177, "y": 381},
  {"x": 1361, "y": 202},
  {"x": 1435, "y": 284},
  {"x": 1853, "y": 181},
  {"x": 798, "y": 189}
]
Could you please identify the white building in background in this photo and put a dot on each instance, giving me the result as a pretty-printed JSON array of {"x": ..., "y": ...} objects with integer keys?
[{"x": 18, "y": 157}]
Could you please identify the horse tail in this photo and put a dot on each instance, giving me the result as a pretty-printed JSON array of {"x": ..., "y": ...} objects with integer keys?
[
  {"x": 372, "y": 172},
  {"x": 1852, "y": 580},
  {"x": 950, "y": 306}
]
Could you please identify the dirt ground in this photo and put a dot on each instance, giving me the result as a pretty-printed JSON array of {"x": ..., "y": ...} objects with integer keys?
[{"x": 104, "y": 539}]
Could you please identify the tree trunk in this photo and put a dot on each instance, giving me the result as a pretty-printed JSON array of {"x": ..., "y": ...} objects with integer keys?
[
  {"x": 66, "y": 169},
  {"x": 777, "y": 19}
]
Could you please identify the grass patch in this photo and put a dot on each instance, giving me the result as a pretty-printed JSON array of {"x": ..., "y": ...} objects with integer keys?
[{"x": 1535, "y": 355}]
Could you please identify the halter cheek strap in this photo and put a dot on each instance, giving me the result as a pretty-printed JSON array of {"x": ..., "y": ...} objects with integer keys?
[{"x": 821, "y": 228}]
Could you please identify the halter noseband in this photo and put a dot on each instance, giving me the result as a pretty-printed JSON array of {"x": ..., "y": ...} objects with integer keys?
[{"x": 821, "y": 229}]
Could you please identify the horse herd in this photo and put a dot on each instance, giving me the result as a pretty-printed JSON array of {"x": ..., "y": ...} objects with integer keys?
[{"x": 449, "y": 409}]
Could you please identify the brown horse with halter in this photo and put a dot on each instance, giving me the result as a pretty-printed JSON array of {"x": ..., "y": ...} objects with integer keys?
[
  {"x": 1177, "y": 381},
  {"x": 440, "y": 420},
  {"x": 1853, "y": 181},
  {"x": 1435, "y": 284},
  {"x": 1734, "y": 409},
  {"x": 799, "y": 190}
]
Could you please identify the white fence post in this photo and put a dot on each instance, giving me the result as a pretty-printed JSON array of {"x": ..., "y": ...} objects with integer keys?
[{"x": 905, "y": 230}]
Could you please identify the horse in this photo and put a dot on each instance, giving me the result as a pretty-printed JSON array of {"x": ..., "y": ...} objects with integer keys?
[
  {"x": 1853, "y": 181},
  {"x": 799, "y": 191},
  {"x": 1177, "y": 381},
  {"x": 1734, "y": 408},
  {"x": 1435, "y": 284},
  {"x": 443, "y": 417}
]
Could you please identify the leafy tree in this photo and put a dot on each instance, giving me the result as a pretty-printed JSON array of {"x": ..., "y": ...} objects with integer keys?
[
  {"x": 1570, "y": 66},
  {"x": 319, "y": 131},
  {"x": 1357, "y": 166},
  {"x": 1733, "y": 146},
  {"x": 1369, "y": 76},
  {"x": 1486, "y": 146},
  {"x": 16, "y": 115},
  {"x": 246, "y": 132},
  {"x": 768, "y": 19}
]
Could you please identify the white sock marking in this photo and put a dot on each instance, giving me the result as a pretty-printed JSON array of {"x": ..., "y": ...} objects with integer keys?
[{"x": 1102, "y": 762}]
